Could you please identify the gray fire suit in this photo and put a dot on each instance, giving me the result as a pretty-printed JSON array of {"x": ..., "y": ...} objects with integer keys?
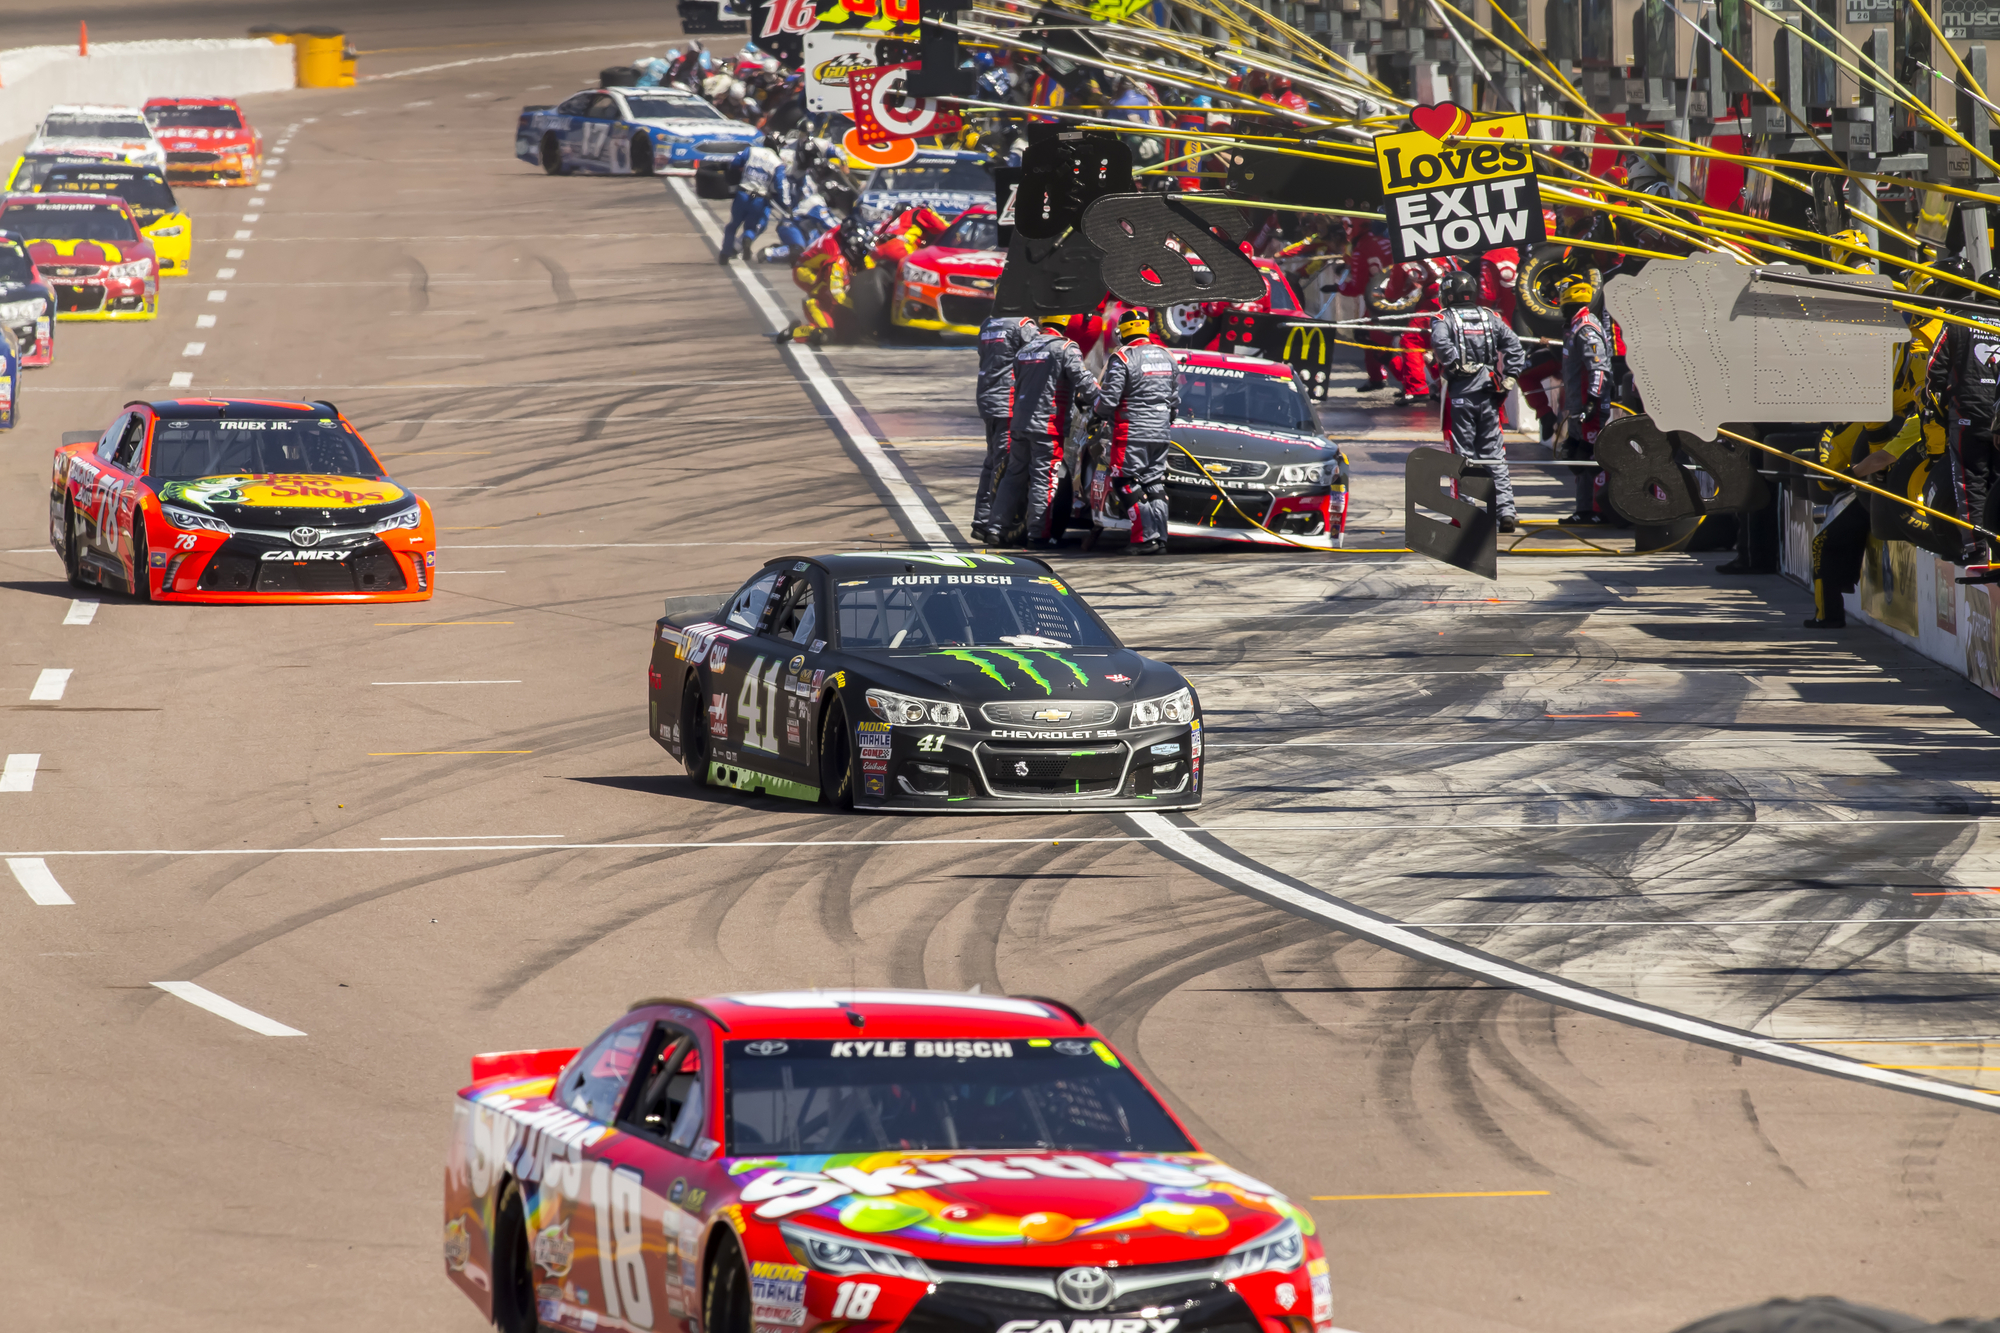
[
  {"x": 1049, "y": 375},
  {"x": 1586, "y": 396},
  {"x": 1140, "y": 393},
  {"x": 999, "y": 339},
  {"x": 1474, "y": 350}
]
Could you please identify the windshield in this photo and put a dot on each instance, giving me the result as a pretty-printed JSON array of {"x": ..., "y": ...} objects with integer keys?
[
  {"x": 965, "y": 611},
  {"x": 877, "y": 1096},
  {"x": 209, "y": 117},
  {"x": 974, "y": 231},
  {"x": 185, "y": 450},
  {"x": 68, "y": 222},
  {"x": 672, "y": 108},
  {"x": 94, "y": 127},
  {"x": 928, "y": 176},
  {"x": 1242, "y": 398},
  {"x": 15, "y": 267},
  {"x": 147, "y": 190},
  {"x": 1278, "y": 294}
]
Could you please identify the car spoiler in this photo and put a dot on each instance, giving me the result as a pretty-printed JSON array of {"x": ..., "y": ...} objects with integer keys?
[{"x": 521, "y": 1064}]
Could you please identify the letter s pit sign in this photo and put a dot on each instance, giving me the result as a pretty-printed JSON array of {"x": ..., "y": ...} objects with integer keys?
[{"x": 1453, "y": 186}]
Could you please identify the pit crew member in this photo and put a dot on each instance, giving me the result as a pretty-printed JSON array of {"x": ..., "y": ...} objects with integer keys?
[
  {"x": 1140, "y": 394},
  {"x": 1478, "y": 358},
  {"x": 758, "y": 165},
  {"x": 1586, "y": 391},
  {"x": 1049, "y": 375},
  {"x": 999, "y": 339}
]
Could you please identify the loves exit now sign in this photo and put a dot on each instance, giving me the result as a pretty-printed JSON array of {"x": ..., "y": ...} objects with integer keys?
[{"x": 1453, "y": 186}]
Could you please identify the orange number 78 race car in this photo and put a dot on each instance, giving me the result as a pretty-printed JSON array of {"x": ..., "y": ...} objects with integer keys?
[
  {"x": 237, "y": 500},
  {"x": 861, "y": 1161}
]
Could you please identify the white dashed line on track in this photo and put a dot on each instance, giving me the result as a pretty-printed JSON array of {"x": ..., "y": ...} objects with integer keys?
[
  {"x": 19, "y": 772},
  {"x": 49, "y": 686},
  {"x": 461, "y": 682},
  {"x": 218, "y": 295},
  {"x": 32, "y": 874},
  {"x": 80, "y": 612},
  {"x": 207, "y": 999},
  {"x": 194, "y": 349},
  {"x": 180, "y": 379},
  {"x": 233, "y": 254},
  {"x": 242, "y": 236},
  {"x": 439, "y": 837},
  {"x": 224, "y": 274},
  {"x": 204, "y": 321}
]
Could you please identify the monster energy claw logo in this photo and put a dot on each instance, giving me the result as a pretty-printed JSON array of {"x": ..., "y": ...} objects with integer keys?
[
  {"x": 967, "y": 560},
  {"x": 982, "y": 658}
]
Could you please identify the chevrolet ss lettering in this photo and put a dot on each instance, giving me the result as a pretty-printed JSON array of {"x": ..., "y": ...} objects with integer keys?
[{"x": 973, "y": 1164}]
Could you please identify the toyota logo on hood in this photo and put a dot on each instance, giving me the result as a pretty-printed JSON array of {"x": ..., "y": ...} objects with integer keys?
[
  {"x": 305, "y": 536},
  {"x": 766, "y": 1048},
  {"x": 1084, "y": 1288}
]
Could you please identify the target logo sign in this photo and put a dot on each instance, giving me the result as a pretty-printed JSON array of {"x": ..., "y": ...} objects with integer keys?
[{"x": 883, "y": 113}]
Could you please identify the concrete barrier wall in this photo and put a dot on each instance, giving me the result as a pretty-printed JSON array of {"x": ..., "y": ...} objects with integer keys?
[
  {"x": 1911, "y": 596},
  {"x": 35, "y": 78}
]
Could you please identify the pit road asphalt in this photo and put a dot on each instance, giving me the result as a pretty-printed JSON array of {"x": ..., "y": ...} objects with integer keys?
[{"x": 559, "y": 366}]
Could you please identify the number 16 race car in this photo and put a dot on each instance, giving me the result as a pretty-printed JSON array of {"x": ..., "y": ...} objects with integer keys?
[
  {"x": 921, "y": 680},
  {"x": 863, "y": 1161},
  {"x": 232, "y": 500}
]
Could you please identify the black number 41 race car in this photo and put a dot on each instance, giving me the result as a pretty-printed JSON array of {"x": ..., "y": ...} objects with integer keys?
[{"x": 922, "y": 681}]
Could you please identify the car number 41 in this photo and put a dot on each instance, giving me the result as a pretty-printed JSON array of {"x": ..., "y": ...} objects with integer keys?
[
  {"x": 854, "y": 1300},
  {"x": 758, "y": 705},
  {"x": 932, "y": 744}
]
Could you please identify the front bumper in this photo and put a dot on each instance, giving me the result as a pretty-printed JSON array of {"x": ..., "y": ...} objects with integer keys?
[
  {"x": 920, "y": 768},
  {"x": 187, "y": 168},
  {"x": 98, "y": 298},
  {"x": 944, "y": 311},
  {"x": 250, "y": 567},
  {"x": 37, "y": 341},
  {"x": 1297, "y": 516}
]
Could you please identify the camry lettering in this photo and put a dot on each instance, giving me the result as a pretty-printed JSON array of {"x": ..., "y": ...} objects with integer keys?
[
  {"x": 1090, "y": 1326},
  {"x": 304, "y": 555}
]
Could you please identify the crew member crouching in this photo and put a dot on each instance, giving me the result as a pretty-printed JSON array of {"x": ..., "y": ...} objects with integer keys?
[{"x": 1139, "y": 395}]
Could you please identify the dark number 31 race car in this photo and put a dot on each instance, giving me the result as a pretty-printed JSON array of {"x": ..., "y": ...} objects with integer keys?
[
  {"x": 857, "y": 1162},
  {"x": 922, "y": 680}
]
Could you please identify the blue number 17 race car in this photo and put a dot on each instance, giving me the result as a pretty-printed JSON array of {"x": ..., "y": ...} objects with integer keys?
[{"x": 629, "y": 131}]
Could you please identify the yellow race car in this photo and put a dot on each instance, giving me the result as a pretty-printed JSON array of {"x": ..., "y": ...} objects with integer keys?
[{"x": 145, "y": 189}]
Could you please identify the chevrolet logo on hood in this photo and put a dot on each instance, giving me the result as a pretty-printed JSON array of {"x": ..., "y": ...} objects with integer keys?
[{"x": 1052, "y": 715}]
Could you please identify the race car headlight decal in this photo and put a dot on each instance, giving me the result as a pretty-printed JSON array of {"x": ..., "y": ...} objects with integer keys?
[
  {"x": 920, "y": 276},
  {"x": 409, "y": 518},
  {"x": 165, "y": 231},
  {"x": 1279, "y": 1250},
  {"x": 131, "y": 272},
  {"x": 15, "y": 312},
  {"x": 181, "y": 518},
  {"x": 1298, "y": 474},
  {"x": 912, "y": 712},
  {"x": 1176, "y": 707},
  {"x": 837, "y": 1255}
]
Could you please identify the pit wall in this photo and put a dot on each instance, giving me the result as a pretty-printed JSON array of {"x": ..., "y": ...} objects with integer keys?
[
  {"x": 35, "y": 78},
  {"x": 1912, "y": 597}
]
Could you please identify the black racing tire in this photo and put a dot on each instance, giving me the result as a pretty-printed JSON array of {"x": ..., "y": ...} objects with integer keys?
[
  {"x": 552, "y": 163},
  {"x": 836, "y": 758},
  {"x": 694, "y": 731},
  {"x": 642, "y": 155},
  {"x": 725, "y": 1288},
  {"x": 710, "y": 184},
  {"x": 72, "y": 547},
  {"x": 142, "y": 582},
  {"x": 513, "y": 1268},
  {"x": 870, "y": 292},
  {"x": 1538, "y": 289}
]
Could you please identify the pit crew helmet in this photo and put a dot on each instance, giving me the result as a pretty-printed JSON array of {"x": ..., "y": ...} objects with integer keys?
[
  {"x": 1459, "y": 288},
  {"x": 1579, "y": 291},
  {"x": 1134, "y": 323}
]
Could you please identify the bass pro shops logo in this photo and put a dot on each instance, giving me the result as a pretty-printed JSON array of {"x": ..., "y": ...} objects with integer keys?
[{"x": 1452, "y": 186}]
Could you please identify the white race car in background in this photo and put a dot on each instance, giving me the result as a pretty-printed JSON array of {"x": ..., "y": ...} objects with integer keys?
[{"x": 91, "y": 130}]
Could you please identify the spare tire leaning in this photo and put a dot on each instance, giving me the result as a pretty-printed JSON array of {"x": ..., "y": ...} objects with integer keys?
[{"x": 1538, "y": 289}]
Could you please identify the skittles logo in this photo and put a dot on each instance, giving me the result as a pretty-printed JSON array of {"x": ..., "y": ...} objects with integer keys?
[{"x": 284, "y": 490}]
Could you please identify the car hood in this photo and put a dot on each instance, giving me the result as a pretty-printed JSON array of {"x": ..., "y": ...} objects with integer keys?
[
  {"x": 1046, "y": 1209},
  {"x": 264, "y": 499},
  {"x": 700, "y": 128},
  {"x": 1062, "y": 675},
  {"x": 876, "y": 204},
  {"x": 1212, "y": 440},
  {"x": 980, "y": 263},
  {"x": 91, "y": 146},
  {"x": 58, "y": 253}
]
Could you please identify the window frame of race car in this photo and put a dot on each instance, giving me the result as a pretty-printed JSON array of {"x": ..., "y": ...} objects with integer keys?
[
  {"x": 161, "y": 221},
  {"x": 121, "y": 517},
  {"x": 638, "y": 1128},
  {"x": 589, "y": 142},
  {"x": 758, "y": 697}
]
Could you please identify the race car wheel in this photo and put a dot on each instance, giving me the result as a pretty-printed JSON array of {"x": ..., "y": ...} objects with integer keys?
[
  {"x": 694, "y": 731},
  {"x": 642, "y": 155},
  {"x": 1380, "y": 303},
  {"x": 836, "y": 759},
  {"x": 552, "y": 162},
  {"x": 513, "y": 1269},
  {"x": 72, "y": 548},
  {"x": 1538, "y": 289},
  {"x": 725, "y": 1289},
  {"x": 142, "y": 583},
  {"x": 1188, "y": 325}
]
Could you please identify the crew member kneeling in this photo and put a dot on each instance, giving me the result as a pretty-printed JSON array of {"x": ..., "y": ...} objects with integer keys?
[
  {"x": 1479, "y": 357},
  {"x": 1139, "y": 395}
]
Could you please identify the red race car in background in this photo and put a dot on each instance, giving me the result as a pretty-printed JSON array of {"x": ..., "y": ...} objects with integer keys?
[
  {"x": 861, "y": 1161},
  {"x": 90, "y": 248},
  {"x": 947, "y": 286},
  {"x": 209, "y": 141},
  {"x": 235, "y": 500},
  {"x": 1206, "y": 324}
]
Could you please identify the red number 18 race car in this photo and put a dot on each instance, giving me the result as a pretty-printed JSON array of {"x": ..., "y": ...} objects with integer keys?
[
  {"x": 233, "y": 500},
  {"x": 862, "y": 1161}
]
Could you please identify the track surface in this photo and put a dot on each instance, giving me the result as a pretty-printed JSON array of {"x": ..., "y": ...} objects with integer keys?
[{"x": 562, "y": 369}]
